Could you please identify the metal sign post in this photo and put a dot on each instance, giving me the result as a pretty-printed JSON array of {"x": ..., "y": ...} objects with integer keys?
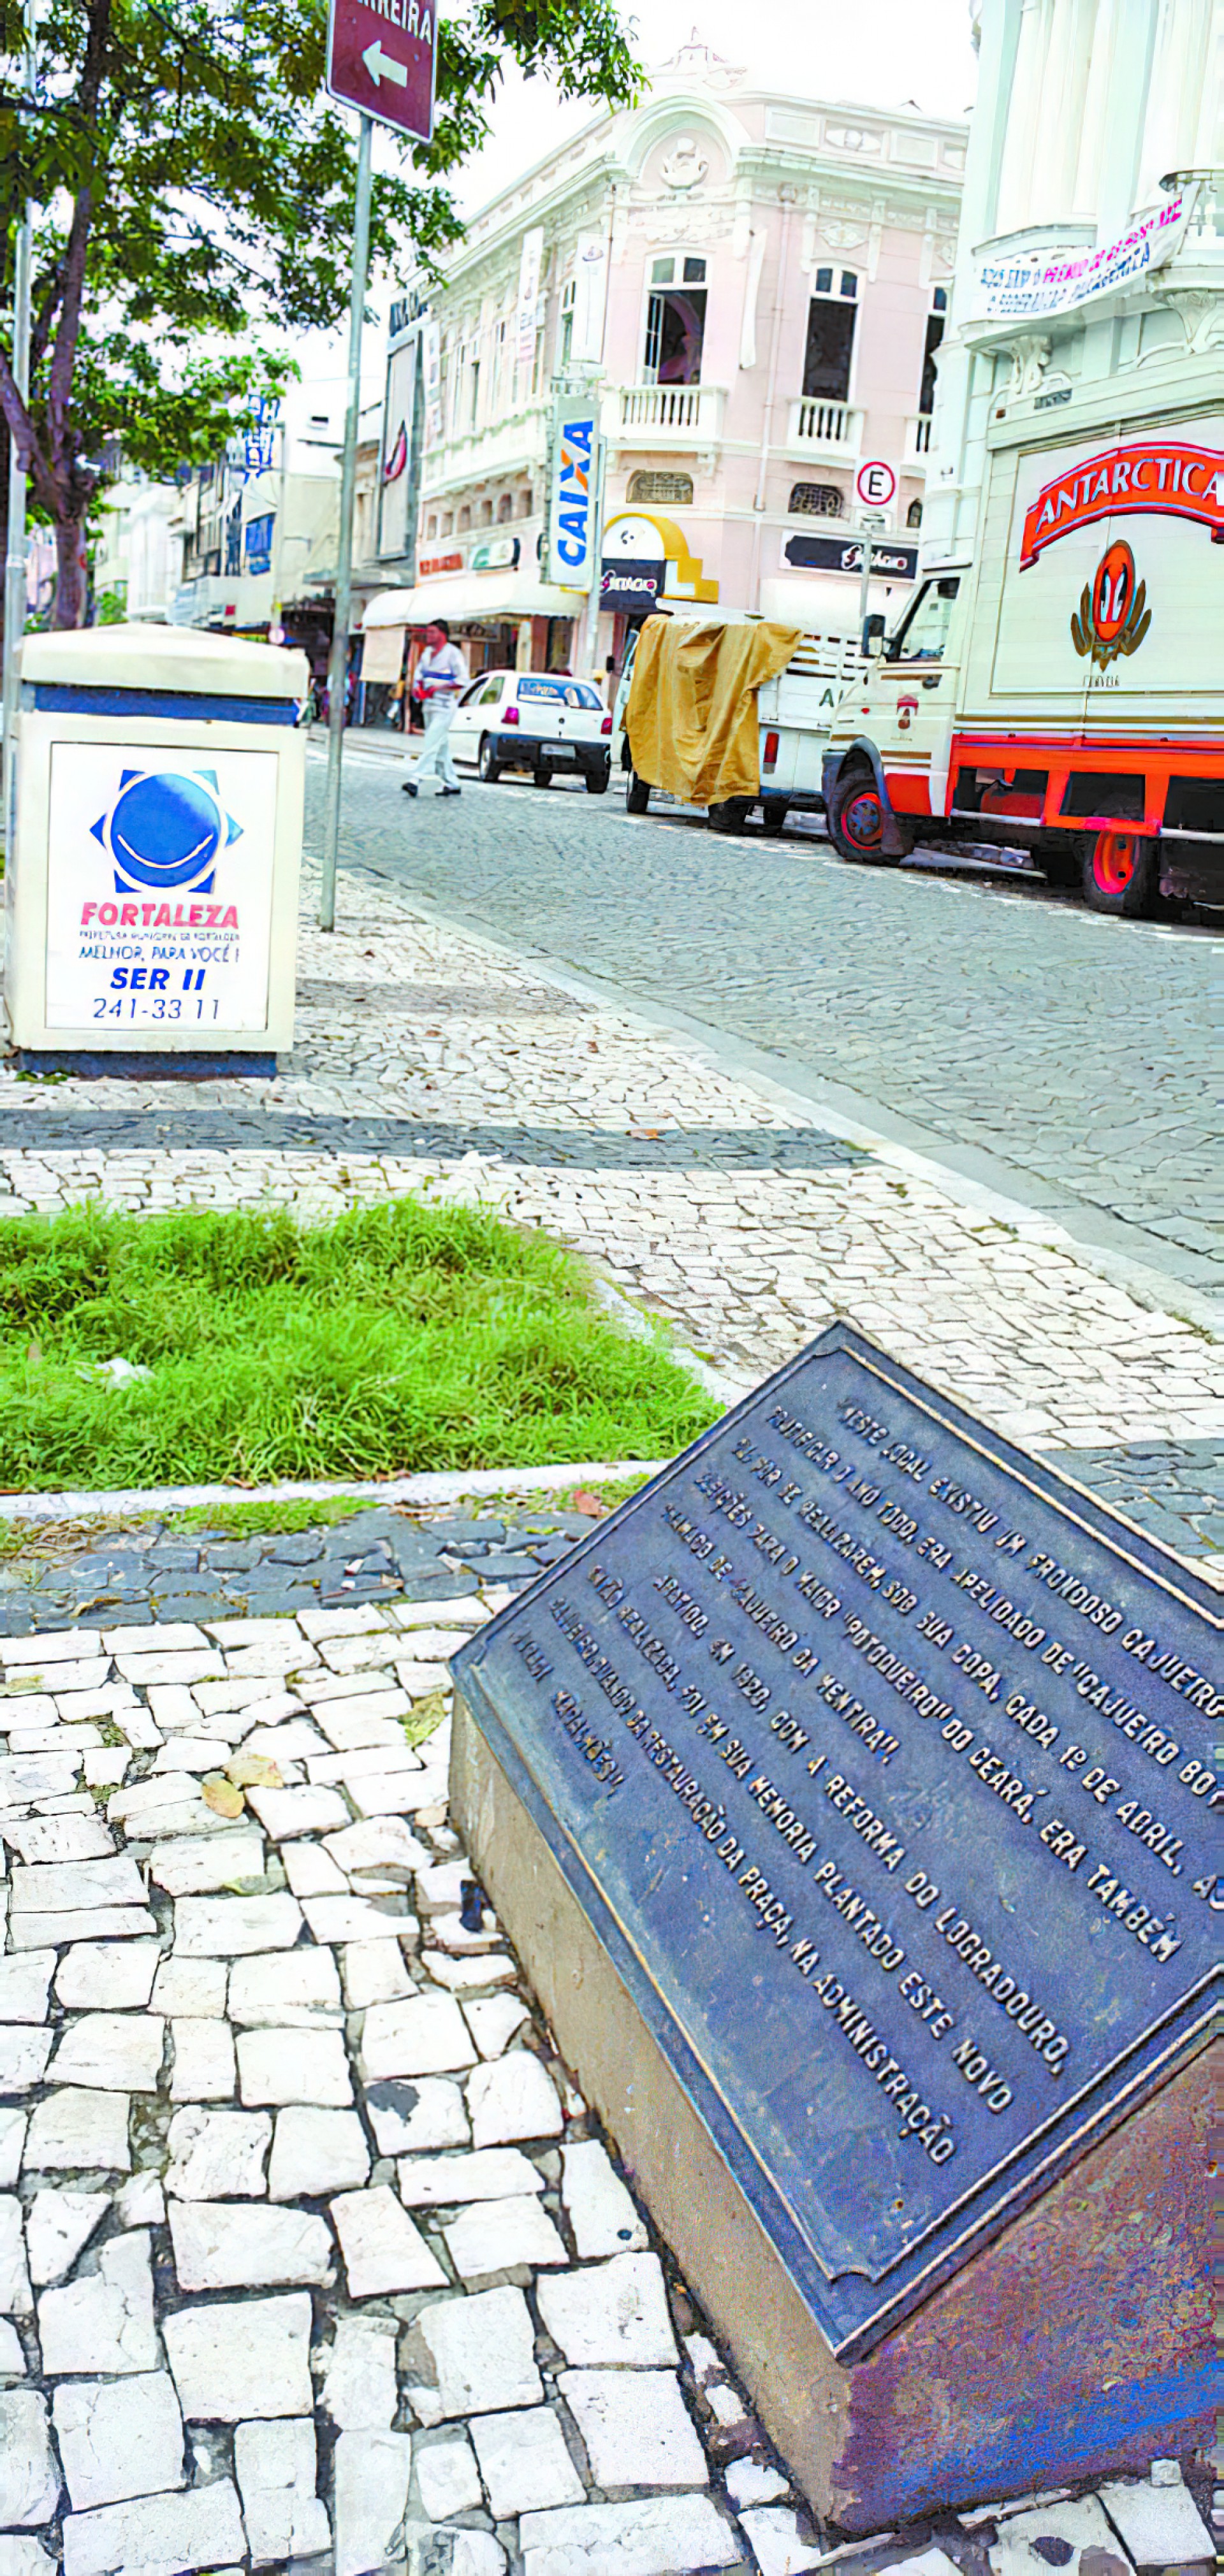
[
  {"x": 398, "y": 88},
  {"x": 15, "y": 546}
]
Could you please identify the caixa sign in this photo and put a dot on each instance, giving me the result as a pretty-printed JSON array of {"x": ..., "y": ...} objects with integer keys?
[{"x": 573, "y": 500}]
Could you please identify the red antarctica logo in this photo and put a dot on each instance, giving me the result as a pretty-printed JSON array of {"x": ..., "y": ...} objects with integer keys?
[{"x": 1112, "y": 617}]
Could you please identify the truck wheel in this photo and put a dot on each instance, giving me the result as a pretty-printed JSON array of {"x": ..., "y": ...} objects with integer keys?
[
  {"x": 637, "y": 793},
  {"x": 1120, "y": 873},
  {"x": 1060, "y": 867},
  {"x": 774, "y": 812},
  {"x": 486, "y": 766},
  {"x": 597, "y": 786},
  {"x": 732, "y": 814},
  {"x": 541, "y": 777},
  {"x": 855, "y": 811}
]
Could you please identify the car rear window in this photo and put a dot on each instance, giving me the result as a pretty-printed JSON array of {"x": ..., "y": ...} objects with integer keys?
[{"x": 566, "y": 693}]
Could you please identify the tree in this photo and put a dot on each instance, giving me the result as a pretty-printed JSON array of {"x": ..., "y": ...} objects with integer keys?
[{"x": 194, "y": 186}]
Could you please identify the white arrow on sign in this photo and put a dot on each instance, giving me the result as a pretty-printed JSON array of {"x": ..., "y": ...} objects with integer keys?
[{"x": 377, "y": 63}]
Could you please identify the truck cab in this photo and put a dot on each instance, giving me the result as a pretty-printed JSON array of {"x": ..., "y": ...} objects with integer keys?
[
  {"x": 1062, "y": 692},
  {"x": 885, "y": 768}
]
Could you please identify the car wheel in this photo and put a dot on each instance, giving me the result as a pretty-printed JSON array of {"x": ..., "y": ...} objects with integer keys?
[
  {"x": 774, "y": 811},
  {"x": 637, "y": 793},
  {"x": 487, "y": 766},
  {"x": 541, "y": 777},
  {"x": 597, "y": 782},
  {"x": 1120, "y": 873},
  {"x": 731, "y": 815},
  {"x": 855, "y": 812}
]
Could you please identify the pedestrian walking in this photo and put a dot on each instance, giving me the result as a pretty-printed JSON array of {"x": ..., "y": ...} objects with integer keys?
[{"x": 440, "y": 675}]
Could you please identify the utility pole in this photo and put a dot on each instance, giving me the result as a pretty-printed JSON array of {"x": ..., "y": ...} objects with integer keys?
[
  {"x": 15, "y": 545},
  {"x": 337, "y": 668}
]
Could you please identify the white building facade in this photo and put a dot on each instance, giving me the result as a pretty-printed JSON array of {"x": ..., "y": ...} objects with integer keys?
[{"x": 1091, "y": 264}]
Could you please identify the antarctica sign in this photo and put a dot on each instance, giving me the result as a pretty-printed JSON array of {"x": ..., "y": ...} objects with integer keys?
[{"x": 159, "y": 888}]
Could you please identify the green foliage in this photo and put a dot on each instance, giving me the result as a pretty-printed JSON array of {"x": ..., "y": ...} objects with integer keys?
[
  {"x": 192, "y": 182},
  {"x": 401, "y": 1337}
]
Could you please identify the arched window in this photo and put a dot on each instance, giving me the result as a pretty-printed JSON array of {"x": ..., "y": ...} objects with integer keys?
[
  {"x": 505, "y": 506},
  {"x": 815, "y": 501},
  {"x": 486, "y": 514},
  {"x": 660, "y": 487},
  {"x": 913, "y": 516},
  {"x": 465, "y": 516},
  {"x": 526, "y": 501}
]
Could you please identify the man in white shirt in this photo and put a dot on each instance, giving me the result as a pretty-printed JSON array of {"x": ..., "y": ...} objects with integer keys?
[{"x": 440, "y": 675}]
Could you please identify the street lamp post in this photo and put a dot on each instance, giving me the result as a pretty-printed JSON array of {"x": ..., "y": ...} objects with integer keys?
[
  {"x": 15, "y": 546},
  {"x": 337, "y": 667}
]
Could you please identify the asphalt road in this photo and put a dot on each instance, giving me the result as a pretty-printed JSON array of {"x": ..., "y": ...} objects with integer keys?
[{"x": 1002, "y": 1028}]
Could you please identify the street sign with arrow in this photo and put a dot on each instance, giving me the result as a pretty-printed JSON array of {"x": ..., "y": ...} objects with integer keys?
[{"x": 381, "y": 61}]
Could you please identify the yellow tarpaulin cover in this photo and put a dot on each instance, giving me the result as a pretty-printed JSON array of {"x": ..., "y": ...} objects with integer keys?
[{"x": 692, "y": 712}]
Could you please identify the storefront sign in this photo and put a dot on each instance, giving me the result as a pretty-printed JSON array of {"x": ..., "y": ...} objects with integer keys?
[
  {"x": 1167, "y": 475},
  {"x": 889, "y": 562},
  {"x": 528, "y": 296},
  {"x": 159, "y": 887},
  {"x": 438, "y": 563},
  {"x": 573, "y": 495},
  {"x": 1019, "y": 289},
  {"x": 590, "y": 299},
  {"x": 494, "y": 554},
  {"x": 630, "y": 588}
]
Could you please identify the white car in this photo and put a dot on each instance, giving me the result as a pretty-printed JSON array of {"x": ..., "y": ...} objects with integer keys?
[{"x": 536, "y": 720}]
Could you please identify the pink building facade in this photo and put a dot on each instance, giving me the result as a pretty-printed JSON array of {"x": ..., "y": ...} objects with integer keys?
[{"x": 752, "y": 287}]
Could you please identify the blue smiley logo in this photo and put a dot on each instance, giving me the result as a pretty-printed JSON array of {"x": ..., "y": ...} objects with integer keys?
[{"x": 164, "y": 830}]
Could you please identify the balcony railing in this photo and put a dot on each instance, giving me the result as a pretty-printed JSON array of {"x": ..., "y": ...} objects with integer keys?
[
  {"x": 820, "y": 428},
  {"x": 666, "y": 415}
]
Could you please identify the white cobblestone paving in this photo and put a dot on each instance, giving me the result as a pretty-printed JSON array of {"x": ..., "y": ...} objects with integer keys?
[
  {"x": 359, "y": 2287},
  {"x": 701, "y": 1198}
]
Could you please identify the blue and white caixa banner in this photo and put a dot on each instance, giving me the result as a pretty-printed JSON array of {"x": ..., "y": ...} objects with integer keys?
[
  {"x": 573, "y": 497},
  {"x": 159, "y": 887}
]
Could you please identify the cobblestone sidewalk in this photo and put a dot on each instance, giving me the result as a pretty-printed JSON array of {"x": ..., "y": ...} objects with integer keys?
[
  {"x": 310, "y": 2253},
  {"x": 428, "y": 1056}
]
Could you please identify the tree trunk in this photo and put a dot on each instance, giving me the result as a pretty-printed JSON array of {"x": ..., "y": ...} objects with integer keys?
[{"x": 70, "y": 572}]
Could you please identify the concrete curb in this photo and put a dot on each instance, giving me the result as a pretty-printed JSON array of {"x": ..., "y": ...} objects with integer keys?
[{"x": 425, "y": 1488}]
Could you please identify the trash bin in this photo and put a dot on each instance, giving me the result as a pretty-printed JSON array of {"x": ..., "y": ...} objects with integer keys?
[{"x": 151, "y": 889}]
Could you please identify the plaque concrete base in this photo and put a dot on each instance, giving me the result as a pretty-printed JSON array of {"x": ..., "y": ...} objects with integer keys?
[{"x": 1079, "y": 2340}]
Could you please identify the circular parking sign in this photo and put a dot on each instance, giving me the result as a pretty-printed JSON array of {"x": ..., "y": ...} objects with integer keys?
[{"x": 875, "y": 483}]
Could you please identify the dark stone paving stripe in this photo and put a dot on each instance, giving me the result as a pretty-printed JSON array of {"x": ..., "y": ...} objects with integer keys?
[
  {"x": 260, "y": 1131},
  {"x": 1173, "y": 1489}
]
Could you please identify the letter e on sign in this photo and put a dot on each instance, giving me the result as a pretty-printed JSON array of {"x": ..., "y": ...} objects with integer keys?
[{"x": 875, "y": 484}]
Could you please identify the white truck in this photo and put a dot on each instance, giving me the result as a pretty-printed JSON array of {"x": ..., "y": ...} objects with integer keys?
[
  {"x": 1062, "y": 692},
  {"x": 794, "y": 712}
]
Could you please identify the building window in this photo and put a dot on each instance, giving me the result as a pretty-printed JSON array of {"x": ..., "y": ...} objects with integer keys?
[
  {"x": 565, "y": 336},
  {"x": 526, "y": 503},
  {"x": 913, "y": 516},
  {"x": 660, "y": 487},
  {"x": 830, "y": 335},
  {"x": 937, "y": 320},
  {"x": 486, "y": 514},
  {"x": 815, "y": 501},
  {"x": 431, "y": 527},
  {"x": 473, "y": 391},
  {"x": 465, "y": 518},
  {"x": 447, "y": 528},
  {"x": 675, "y": 323},
  {"x": 505, "y": 506}
]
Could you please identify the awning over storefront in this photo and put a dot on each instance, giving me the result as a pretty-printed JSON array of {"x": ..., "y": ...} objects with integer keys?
[{"x": 464, "y": 597}]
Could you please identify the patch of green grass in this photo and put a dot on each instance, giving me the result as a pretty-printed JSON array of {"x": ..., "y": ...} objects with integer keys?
[{"x": 401, "y": 1337}]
